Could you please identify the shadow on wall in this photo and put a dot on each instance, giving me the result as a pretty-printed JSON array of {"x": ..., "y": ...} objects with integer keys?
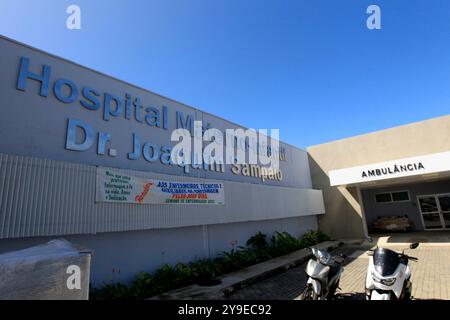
[{"x": 342, "y": 218}]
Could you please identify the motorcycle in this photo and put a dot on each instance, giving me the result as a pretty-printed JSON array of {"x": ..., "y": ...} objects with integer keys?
[
  {"x": 324, "y": 273},
  {"x": 388, "y": 275}
]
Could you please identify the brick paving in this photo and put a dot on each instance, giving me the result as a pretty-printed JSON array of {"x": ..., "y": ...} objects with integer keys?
[
  {"x": 431, "y": 274},
  {"x": 430, "y": 277}
]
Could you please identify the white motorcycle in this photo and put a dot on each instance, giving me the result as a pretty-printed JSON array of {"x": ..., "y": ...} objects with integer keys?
[
  {"x": 388, "y": 275},
  {"x": 324, "y": 273}
]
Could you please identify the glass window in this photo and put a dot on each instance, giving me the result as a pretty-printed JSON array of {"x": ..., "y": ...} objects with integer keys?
[
  {"x": 428, "y": 204},
  {"x": 383, "y": 197},
  {"x": 432, "y": 221},
  {"x": 446, "y": 216},
  {"x": 400, "y": 196},
  {"x": 444, "y": 201}
]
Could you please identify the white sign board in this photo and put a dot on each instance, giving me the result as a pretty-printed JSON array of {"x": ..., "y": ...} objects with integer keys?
[
  {"x": 115, "y": 186},
  {"x": 431, "y": 163}
]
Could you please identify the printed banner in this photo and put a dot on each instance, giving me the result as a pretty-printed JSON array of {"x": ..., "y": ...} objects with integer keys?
[{"x": 115, "y": 186}]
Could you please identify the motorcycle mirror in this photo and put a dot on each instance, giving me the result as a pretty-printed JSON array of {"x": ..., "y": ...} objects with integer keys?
[{"x": 414, "y": 245}]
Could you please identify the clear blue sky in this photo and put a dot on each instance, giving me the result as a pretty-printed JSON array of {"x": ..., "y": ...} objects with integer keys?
[{"x": 310, "y": 68}]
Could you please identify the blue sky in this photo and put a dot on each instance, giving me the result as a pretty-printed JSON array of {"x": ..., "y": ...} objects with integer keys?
[{"x": 308, "y": 67}]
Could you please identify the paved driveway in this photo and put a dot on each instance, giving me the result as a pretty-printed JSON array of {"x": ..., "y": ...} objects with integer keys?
[{"x": 431, "y": 277}]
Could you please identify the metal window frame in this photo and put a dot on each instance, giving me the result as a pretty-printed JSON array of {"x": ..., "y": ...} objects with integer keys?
[{"x": 392, "y": 199}]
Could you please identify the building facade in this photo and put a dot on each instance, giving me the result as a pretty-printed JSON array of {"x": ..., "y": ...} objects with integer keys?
[
  {"x": 402, "y": 171},
  {"x": 66, "y": 128},
  {"x": 64, "y": 125}
]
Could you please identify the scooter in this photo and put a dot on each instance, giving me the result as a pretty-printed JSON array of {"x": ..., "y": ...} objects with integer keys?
[
  {"x": 388, "y": 275},
  {"x": 324, "y": 273}
]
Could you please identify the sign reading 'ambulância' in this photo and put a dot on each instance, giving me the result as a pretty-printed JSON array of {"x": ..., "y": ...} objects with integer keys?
[
  {"x": 118, "y": 187},
  {"x": 406, "y": 167}
]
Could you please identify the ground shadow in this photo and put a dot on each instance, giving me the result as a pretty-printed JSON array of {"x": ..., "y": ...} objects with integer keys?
[{"x": 350, "y": 296}]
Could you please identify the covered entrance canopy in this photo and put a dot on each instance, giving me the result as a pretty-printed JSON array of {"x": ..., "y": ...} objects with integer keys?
[{"x": 417, "y": 188}]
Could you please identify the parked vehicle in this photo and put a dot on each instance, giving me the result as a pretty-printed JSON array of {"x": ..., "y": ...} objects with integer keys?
[
  {"x": 388, "y": 274},
  {"x": 324, "y": 273}
]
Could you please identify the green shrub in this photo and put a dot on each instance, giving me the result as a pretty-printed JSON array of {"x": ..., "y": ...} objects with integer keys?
[
  {"x": 234, "y": 260},
  {"x": 205, "y": 270},
  {"x": 143, "y": 286},
  {"x": 165, "y": 278},
  {"x": 283, "y": 243},
  {"x": 259, "y": 246},
  {"x": 185, "y": 274},
  {"x": 313, "y": 237},
  {"x": 258, "y": 242}
]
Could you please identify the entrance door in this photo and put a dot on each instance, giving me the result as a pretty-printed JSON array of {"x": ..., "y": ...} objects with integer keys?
[
  {"x": 444, "y": 205},
  {"x": 435, "y": 210}
]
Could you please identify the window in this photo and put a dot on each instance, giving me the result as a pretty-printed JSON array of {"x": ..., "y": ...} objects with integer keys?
[
  {"x": 395, "y": 196},
  {"x": 383, "y": 197},
  {"x": 400, "y": 196}
]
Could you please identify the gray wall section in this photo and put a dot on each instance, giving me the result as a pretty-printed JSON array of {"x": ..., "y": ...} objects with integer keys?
[
  {"x": 409, "y": 208},
  {"x": 41, "y": 197},
  {"x": 33, "y": 125},
  {"x": 120, "y": 256}
]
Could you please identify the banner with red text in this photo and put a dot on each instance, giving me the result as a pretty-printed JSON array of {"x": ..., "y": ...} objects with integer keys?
[{"x": 116, "y": 186}]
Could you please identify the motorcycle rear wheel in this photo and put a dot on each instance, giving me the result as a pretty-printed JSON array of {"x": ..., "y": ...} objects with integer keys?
[
  {"x": 407, "y": 289},
  {"x": 308, "y": 293},
  {"x": 332, "y": 293}
]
